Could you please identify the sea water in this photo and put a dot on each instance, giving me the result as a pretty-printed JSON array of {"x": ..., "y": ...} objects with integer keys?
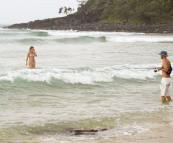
[{"x": 82, "y": 80}]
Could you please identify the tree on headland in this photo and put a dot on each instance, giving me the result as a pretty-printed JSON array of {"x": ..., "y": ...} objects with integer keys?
[
  {"x": 68, "y": 10},
  {"x": 65, "y": 10},
  {"x": 60, "y": 10},
  {"x": 130, "y": 11},
  {"x": 82, "y": 2}
]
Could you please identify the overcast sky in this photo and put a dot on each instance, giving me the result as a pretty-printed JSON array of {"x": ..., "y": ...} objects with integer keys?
[{"x": 19, "y": 11}]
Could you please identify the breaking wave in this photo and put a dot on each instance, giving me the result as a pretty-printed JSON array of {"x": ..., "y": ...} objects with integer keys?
[
  {"x": 78, "y": 76},
  {"x": 82, "y": 39},
  {"x": 41, "y": 36}
]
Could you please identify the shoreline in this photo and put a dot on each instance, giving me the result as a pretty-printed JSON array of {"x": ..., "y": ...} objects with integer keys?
[
  {"x": 162, "y": 134},
  {"x": 102, "y": 27},
  {"x": 117, "y": 27},
  {"x": 157, "y": 135}
]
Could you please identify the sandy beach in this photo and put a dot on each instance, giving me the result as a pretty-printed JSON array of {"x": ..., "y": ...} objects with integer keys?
[{"x": 159, "y": 135}]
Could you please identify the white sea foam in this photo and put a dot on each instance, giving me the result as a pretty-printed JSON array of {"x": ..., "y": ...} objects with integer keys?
[
  {"x": 88, "y": 76},
  {"x": 126, "y": 130},
  {"x": 114, "y": 36},
  {"x": 109, "y": 36},
  {"x": 76, "y": 34},
  {"x": 144, "y": 38}
]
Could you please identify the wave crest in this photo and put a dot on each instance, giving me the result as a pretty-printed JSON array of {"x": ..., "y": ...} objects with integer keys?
[
  {"x": 75, "y": 76},
  {"x": 82, "y": 39}
]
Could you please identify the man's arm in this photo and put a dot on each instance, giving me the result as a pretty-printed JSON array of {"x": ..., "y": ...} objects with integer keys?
[
  {"x": 166, "y": 66},
  {"x": 160, "y": 68}
]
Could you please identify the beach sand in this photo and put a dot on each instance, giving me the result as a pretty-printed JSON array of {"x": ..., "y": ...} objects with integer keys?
[
  {"x": 152, "y": 140},
  {"x": 156, "y": 140},
  {"x": 164, "y": 134}
]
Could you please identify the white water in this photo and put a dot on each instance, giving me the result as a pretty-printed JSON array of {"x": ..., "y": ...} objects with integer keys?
[
  {"x": 85, "y": 76},
  {"x": 82, "y": 80}
]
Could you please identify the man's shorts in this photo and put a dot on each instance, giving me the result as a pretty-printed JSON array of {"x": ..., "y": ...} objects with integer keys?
[{"x": 164, "y": 86}]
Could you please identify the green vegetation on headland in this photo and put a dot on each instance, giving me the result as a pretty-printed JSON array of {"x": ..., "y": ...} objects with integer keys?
[
  {"x": 148, "y": 16},
  {"x": 130, "y": 11}
]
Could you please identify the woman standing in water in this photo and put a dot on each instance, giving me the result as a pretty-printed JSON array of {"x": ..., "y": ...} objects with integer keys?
[{"x": 31, "y": 56}]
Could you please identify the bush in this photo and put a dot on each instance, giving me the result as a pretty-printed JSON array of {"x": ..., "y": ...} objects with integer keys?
[{"x": 147, "y": 11}]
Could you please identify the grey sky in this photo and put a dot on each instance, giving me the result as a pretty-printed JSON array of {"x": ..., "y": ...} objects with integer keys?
[{"x": 18, "y": 11}]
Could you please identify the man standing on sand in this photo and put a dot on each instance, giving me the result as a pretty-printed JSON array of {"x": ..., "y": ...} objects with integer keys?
[{"x": 166, "y": 80}]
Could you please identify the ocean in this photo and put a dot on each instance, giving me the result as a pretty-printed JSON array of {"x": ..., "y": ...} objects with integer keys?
[{"x": 82, "y": 80}]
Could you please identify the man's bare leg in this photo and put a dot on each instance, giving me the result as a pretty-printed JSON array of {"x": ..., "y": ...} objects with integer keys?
[
  {"x": 169, "y": 98},
  {"x": 163, "y": 99}
]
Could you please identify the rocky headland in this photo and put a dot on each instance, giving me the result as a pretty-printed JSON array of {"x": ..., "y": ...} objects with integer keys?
[
  {"x": 67, "y": 24},
  {"x": 99, "y": 15}
]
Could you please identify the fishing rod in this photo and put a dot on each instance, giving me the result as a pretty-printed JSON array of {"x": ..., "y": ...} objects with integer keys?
[
  {"x": 145, "y": 68},
  {"x": 155, "y": 69},
  {"x": 152, "y": 68}
]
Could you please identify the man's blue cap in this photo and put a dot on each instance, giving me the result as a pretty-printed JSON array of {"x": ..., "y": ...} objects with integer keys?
[{"x": 163, "y": 53}]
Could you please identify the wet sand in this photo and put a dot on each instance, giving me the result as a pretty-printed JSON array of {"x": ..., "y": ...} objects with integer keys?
[
  {"x": 156, "y": 140},
  {"x": 163, "y": 134}
]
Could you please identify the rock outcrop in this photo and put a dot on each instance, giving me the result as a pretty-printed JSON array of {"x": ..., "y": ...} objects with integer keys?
[
  {"x": 88, "y": 18},
  {"x": 48, "y": 23}
]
